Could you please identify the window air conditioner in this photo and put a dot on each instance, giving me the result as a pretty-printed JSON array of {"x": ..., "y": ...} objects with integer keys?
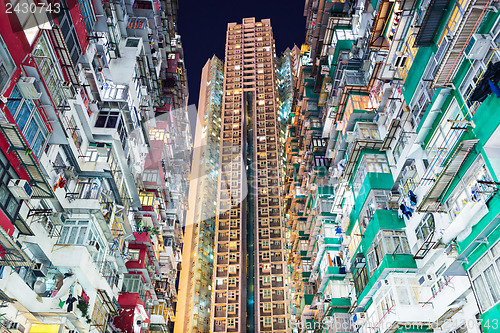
[
  {"x": 93, "y": 246},
  {"x": 58, "y": 218},
  {"x": 427, "y": 280},
  {"x": 39, "y": 270},
  {"x": 29, "y": 88},
  {"x": 15, "y": 327},
  {"x": 359, "y": 318},
  {"x": 479, "y": 45},
  {"x": 68, "y": 90},
  {"x": 20, "y": 188}
]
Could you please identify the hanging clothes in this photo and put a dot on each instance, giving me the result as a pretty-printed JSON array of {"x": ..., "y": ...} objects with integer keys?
[
  {"x": 413, "y": 197},
  {"x": 483, "y": 87},
  {"x": 71, "y": 299}
]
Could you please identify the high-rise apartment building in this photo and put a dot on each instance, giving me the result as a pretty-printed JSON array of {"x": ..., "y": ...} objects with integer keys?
[
  {"x": 248, "y": 290},
  {"x": 193, "y": 310}
]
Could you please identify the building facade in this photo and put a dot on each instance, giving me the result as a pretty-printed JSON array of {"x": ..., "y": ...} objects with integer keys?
[
  {"x": 193, "y": 309},
  {"x": 248, "y": 289},
  {"x": 93, "y": 106},
  {"x": 391, "y": 176}
]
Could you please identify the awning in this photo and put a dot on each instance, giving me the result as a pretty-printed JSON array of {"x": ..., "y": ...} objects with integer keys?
[
  {"x": 41, "y": 188},
  {"x": 11, "y": 254},
  {"x": 432, "y": 200}
]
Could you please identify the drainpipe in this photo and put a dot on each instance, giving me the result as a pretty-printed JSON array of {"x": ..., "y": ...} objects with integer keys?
[{"x": 433, "y": 113}]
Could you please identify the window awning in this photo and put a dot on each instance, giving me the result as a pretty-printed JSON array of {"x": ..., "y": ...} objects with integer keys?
[
  {"x": 11, "y": 254},
  {"x": 432, "y": 200},
  {"x": 41, "y": 188}
]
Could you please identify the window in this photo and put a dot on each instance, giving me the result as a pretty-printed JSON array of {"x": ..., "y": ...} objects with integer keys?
[
  {"x": 29, "y": 121},
  {"x": 7, "y": 65},
  {"x": 51, "y": 72},
  {"x": 87, "y": 14},
  {"x": 444, "y": 138},
  {"x": 360, "y": 280},
  {"x": 68, "y": 29},
  {"x": 99, "y": 314},
  {"x": 485, "y": 276},
  {"x": 9, "y": 205},
  {"x": 425, "y": 227},
  {"x": 231, "y": 322},
  {"x": 267, "y": 321},
  {"x": 468, "y": 189},
  {"x": 231, "y": 308},
  {"x": 134, "y": 254},
  {"x": 456, "y": 16},
  {"x": 81, "y": 233},
  {"x": 132, "y": 283},
  {"x": 386, "y": 242},
  {"x": 266, "y": 307},
  {"x": 370, "y": 163},
  {"x": 266, "y": 293}
]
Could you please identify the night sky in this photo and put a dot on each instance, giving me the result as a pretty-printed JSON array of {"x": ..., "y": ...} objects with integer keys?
[{"x": 202, "y": 26}]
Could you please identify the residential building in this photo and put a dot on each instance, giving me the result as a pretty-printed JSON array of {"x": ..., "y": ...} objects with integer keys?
[
  {"x": 193, "y": 310},
  {"x": 391, "y": 179},
  {"x": 91, "y": 226},
  {"x": 248, "y": 292}
]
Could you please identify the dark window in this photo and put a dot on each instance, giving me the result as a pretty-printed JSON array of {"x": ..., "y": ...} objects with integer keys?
[
  {"x": 9, "y": 205},
  {"x": 360, "y": 280}
]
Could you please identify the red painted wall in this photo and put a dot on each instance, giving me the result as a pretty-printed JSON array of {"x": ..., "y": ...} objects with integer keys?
[{"x": 79, "y": 23}]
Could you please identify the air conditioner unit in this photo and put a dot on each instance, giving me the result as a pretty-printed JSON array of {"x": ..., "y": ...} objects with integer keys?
[
  {"x": 359, "y": 262},
  {"x": 478, "y": 46},
  {"x": 70, "y": 173},
  {"x": 325, "y": 70},
  {"x": 102, "y": 149},
  {"x": 359, "y": 318},
  {"x": 93, "y": 246},
  {"x": 68, "y": 90},
  {"x": 15, "y": 327},
  {"x": 29, "y": 88},
  {"x": 427, "y": 280},
  {"x": 58, "y": 218},
  {"x": 20, "y": 188},
  {"x": 400, "y": 60},
  {"x": 39, "y": 270}
]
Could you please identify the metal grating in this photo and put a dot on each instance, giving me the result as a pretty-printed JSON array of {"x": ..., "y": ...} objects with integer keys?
[
  {"x": 64, "y": 56},
  {"x": 468, "y": 25},
  {"x": 430, "y": 23},
  {"x": 11, "y": 254},
  {"x": 432, "y": 200},
  {"x": 356, "y": 151},
  {"x": 41, "y": 188}
]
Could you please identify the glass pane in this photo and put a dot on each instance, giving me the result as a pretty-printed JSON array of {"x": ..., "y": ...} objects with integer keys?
[
  {"x": 481, "y": 293},
  {"x": 81, "y": 235},
  {"x": 493, "y": 283},
  {"x": 22, "y": 116}
]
